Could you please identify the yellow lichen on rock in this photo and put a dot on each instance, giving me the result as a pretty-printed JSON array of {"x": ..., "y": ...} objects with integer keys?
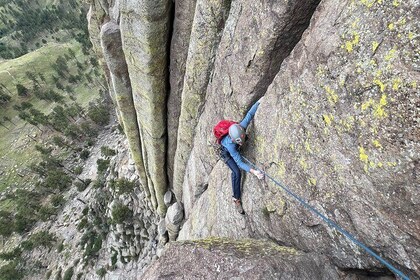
[
  {"x": 379, "y": 108},
  {"x": 307, "y": 146},
  {"x": 303, "y": 164},
  {"x": 282, "y": 169},
  {"x": 374, "y": 46},
  {"x": 410, "y": 35},
  {"x": 331, "y": 95},
  {"x": 312, "y": 182},
  {"x": 362, "y": 154},
  {"x": 377, "y": 144},
  {"x": 350, "y": 44},
  {"x": 396, "y": 84},
  {"x": 367, "y": 104},
  {"x": 364, "y": 158},
  {"x": 390, "y": 55},
  {"x": 380, "y": 84}
]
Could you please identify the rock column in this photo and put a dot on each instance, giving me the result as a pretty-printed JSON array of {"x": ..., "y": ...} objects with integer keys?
[
  {"x": 145, "y": 31},
  {"x": 121, "y": 88},
  {"x": 206, "y": 32}
]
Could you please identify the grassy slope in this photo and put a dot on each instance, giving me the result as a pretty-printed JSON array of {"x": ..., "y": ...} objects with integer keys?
[{"x": 16, "y": 148}]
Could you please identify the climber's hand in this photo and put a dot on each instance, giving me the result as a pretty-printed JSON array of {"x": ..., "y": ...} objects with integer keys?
[
  {"x": 260, "y": 100},
  {"x": 257, "y": 173}
]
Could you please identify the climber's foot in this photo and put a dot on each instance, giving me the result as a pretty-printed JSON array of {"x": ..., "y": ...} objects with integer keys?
[{"x": 238, "y": 206}]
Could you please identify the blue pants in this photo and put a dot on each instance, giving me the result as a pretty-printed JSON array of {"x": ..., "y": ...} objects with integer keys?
[{"x": 236, "y": 173}]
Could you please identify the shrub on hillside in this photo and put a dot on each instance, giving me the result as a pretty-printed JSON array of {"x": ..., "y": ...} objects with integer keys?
[
  {"x": 57, "y": 179},
  {"x": 92, "y": 241},
  {"x": 68, "y": 274},
  {"x": 11, "y": 271},
  {"x": 78, "y": 170},
  {"x": 22, "y": 90},
  {"x": 103, "y": 165},
  {"x": 122, "y": 185},
  {"x": 57, "y": 200},
  {"x": 4, "y": 98},
  {"x": 11, "y": 255},
  {"x": 101, "y": 272},
  {"x": 84, "y": 154},
  {"x": 23, "y": 223},
  {"x": 120, "y": 213},
  {"x": 45, "y": 212},
  {"x": 39, "y": 239},
  {"x": 99, "y": 114},
  {"x": 107, "y": 151},
  {"x": 6, "y": 223},
  {"x": 80, "y": 186},
  {"x": 98, "y": 184},
  {"x": 83, "y": 223}
]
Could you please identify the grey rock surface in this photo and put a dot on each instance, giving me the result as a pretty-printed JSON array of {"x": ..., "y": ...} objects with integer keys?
[
  {"x": 175, "y": 213},
  {"x": 145, "y": 35},
  {"x": 184, "y": 15},
  {"x": 168, "y": 197},
  {"x": 338, "y": 123},
  {"x": 209, "y": 21},
  {"x": 247, "y": 59},
  {"x": 237, "y": 259}
]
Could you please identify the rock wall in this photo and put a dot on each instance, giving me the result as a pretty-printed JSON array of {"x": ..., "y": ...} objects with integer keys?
[
  {"x": 145, "y": 33},
  {"x": 182, "y": 23},
  {"x": 249, "y": 55},
  {"x": 141, "y": 47},
  {"x": 338, "y": 122},
  {"x": 218, "y": 258},
  {"x": 337, "y": 126},
  {"x": 209, "y": 21},
  {"x": 122, "y": 92}
]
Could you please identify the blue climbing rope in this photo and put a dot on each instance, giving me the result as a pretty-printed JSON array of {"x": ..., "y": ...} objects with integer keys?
[{"x": 332, "y": 224}]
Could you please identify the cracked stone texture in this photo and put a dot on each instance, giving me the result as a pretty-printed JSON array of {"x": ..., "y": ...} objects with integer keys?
[
  {"x": 134, "y": 100},
  {"x": 183, "y": 19},
  {"x": 209, "y": 20},
  {"x": 217, "y": 258},
  {"x": 338, "y": 125},
  {"x": 96, "y": 16},
  {"x": 249, "y": 55},
  {"x": 121, "y": 88},
  {"x": 145, "y": 33}
]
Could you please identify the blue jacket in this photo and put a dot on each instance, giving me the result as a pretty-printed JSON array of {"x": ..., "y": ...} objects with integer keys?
[{"x": 233, "y": 147}]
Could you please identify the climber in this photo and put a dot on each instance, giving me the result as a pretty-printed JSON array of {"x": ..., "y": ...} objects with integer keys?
[{"x": 230, "y": 154}]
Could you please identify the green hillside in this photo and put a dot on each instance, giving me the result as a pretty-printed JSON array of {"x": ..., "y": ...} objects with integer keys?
[
  {"x": 48, "y": 78},
  {"x": 15, "y": 145},
  {"x": 53, "y": 104},
  {"x": 27, "y": 25}
]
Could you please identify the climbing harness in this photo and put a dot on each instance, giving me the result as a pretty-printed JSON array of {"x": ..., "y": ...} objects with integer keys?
[{"x": 332, "y": 224}]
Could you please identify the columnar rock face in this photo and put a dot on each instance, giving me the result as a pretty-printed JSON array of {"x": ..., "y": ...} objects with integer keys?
[
  {"x": 142, "y": 94},
  {"x": 337, "y": 126},
  {"x": 209, "y": 20},
  {"x": 97, "y": 15},
  {"x": 183, "y": 19},
  {"x": 121, "y": 88},
  {"x": 145, "y": 33},
  {"x": 338, "y": 122},
  {"x": 248, "y": 57}
]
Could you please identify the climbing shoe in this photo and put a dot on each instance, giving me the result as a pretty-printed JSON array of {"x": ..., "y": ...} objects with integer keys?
[{"x": 238, "y": 205}]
